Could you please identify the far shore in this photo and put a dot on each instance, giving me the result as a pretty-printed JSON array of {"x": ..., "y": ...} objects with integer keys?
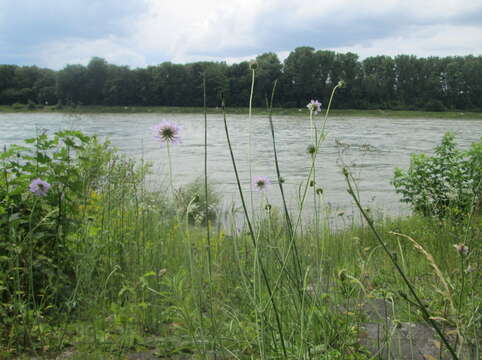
[{"x": 377, "y": 113}]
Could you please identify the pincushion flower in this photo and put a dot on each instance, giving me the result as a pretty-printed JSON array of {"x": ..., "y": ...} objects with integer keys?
[
  {"x": 39, "y": 187},
  {"x": 314, "y": 106},
  {"x": 167, "y": 132},
  {"x": 261, "y": 183}
]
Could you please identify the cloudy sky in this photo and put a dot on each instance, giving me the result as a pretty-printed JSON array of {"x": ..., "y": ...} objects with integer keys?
[{"x": 53, "y": 33}]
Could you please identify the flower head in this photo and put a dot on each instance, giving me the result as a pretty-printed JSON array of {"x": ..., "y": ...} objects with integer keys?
[
  {"x": 39, "y": 187},
  {"x": 167, "y": 132},
  {"x": 261, "y": 183},
  {"x": 462, "y": 249},
  {"x": 314, "y": 106}
]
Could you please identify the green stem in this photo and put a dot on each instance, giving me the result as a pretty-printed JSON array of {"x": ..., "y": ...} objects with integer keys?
[
  {"x": 296, "y": 259},
  {"x": 171, "y": 182},
  {"x": 317, "y": 146},
  {"x": 249, "y": 140},
  {"x": 206, "y": 215}
]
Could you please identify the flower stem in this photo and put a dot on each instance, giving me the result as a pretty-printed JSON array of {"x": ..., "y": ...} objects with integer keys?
[
  {"x": 249, "y": 140},
  {"x": 171, "y": 182}
]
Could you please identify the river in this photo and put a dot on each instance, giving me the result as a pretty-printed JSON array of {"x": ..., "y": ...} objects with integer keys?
[{"x": 371, "y": 147}]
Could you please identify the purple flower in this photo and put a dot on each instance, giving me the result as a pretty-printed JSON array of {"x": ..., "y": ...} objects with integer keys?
[
  {"x": 315, "y": 106},
  {"x": 39, "y": 187},
  {"x": 261, "y": 183},
  {"x": 167, "y": 132}
]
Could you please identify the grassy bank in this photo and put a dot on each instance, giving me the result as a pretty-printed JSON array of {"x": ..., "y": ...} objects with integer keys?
[
  {"x": 259, "y": 111},
  {"x": 96, "y": 266}
]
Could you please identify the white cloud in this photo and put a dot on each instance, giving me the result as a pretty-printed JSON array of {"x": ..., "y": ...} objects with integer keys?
[
  {"x": 235, "y": 30},
  {"x": 438, "y": 40},
  {"x": 78, "y": 51}
]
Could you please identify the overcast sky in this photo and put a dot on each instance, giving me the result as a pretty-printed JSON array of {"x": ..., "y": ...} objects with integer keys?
[{"x": 53, "y": 33}]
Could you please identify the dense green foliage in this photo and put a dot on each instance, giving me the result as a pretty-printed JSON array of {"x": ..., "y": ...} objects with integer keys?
[
  {"x": 447, "y": 183},
  {"x": 38, "y": 242},
  {"x": 380, "y": 82}
]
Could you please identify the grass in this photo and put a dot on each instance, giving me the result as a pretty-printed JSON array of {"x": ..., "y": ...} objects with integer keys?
[
  {"x": 142, "y": 281},
  {"x": 402, "y": 114}
]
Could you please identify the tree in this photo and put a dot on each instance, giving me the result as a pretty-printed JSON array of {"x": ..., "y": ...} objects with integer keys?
[
  {"x": 96, "y": 77},
  {"x": 267, "y": 71},
  {"x": 379, "y": 81},
  {"x": 239, "y": 82},
  {"x": 301, "y": 75},
  {"x": 71, "y": 84}
]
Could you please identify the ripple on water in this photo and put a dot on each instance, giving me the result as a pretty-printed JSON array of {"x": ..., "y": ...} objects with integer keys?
[{"x": 373, "y": 146}]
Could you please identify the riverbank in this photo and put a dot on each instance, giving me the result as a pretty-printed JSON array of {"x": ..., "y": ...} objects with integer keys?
[
  {"x": 257, "y": 111},
  {"x": 95, "y": 265}
]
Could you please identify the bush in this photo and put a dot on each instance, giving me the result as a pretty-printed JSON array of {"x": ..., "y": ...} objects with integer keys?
[
  {"x": 191, "y": 199},
  {"x": 18, "y": 106},
  {"x": 37, "y": 224},
  {"x": 445, "y": 184}
]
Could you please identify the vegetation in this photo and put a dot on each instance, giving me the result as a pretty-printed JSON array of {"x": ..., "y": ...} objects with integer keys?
[
  {"x": 94, "y": 264},
  {"x": 448, "y": 183},
  {"x": 94, "y": 109},
  {"x": 401, "y": 83}
]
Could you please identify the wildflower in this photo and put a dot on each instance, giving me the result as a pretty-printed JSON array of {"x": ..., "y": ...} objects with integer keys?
[
  {"x": 314, "y": 106},
  {"x": 253, "y": 65},
  {"x": 261, "y": 183},
  {"x": 167, "y": 132},
  {"x": 39, "y": 187},
  {"x": 462, "y": 249}
]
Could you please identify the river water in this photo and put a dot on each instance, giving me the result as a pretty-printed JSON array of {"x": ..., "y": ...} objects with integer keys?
[{"x": 371, "y": 147}]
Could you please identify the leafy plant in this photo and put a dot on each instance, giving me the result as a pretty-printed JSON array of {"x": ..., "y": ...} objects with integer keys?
[
  {"x": 445, "y": 184},
  {"x": 43, "y": 187}
]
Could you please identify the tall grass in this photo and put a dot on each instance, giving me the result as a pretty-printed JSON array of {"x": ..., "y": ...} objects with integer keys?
[{"x": 146, "y": 278}]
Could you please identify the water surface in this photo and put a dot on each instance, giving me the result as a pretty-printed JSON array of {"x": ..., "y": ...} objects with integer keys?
[{"x": 371, "y": 147}]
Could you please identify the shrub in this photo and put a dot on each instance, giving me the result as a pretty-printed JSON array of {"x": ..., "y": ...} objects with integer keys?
[
  {"x": 190, "y": 201},
  {"x": 18, "y": 106},
  {"x": 445, "y": 184},
  {"x": 36, "y": 224}
]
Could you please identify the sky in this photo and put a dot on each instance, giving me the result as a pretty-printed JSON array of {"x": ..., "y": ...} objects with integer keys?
[{"x": 138, "y": 33}]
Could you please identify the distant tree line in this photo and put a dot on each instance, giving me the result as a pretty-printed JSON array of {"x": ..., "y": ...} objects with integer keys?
[{"x": 379, "y": 82}]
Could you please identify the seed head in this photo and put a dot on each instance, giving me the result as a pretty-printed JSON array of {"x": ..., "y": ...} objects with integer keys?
[
  {"x": 311, "y": 149},
  {"x": 167, "y": 132}
]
